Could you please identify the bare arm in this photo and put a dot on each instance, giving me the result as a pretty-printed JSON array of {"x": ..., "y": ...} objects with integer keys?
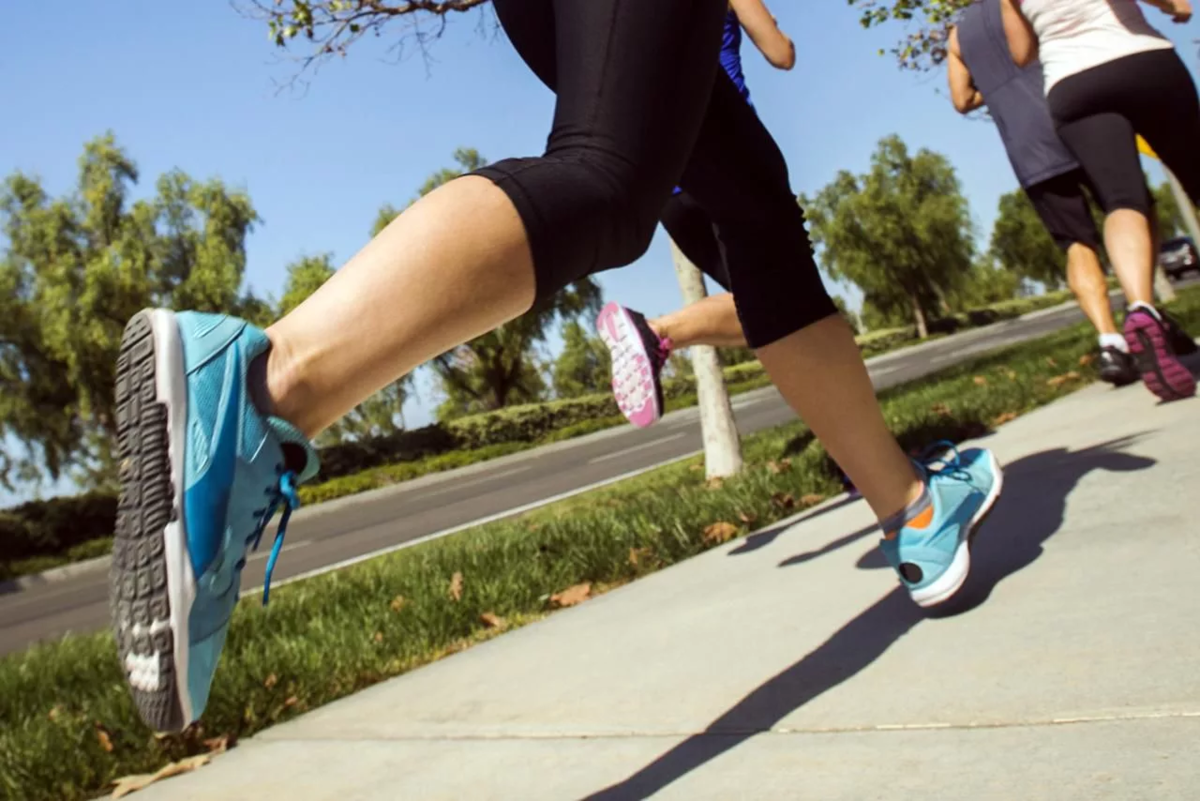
[
  {"x": 1022, "y": 41},
  {"x": 774, "y": 44},
  {"x": 963, "y": 94},
  {"x": 1180, "y": 10}
]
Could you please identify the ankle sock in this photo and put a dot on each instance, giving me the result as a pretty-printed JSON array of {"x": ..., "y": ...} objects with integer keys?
[
  {"x": 919, "y": 511},
  {"x": 1146, "y": 307},
  {"x": 1114, "y": 341}
]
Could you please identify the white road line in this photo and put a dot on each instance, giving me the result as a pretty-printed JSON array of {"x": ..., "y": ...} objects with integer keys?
[
  {"x": 636, "y": 448},
  {"x": 264, "y": 552},
  {"x": 461, "y": 484},
  {"x": 481, "y": 521}
]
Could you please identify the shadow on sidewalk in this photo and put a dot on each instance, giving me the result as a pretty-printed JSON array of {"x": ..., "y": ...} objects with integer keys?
[{"x": 1029, "y": 513}]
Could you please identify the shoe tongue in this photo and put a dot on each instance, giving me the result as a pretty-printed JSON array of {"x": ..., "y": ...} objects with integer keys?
[{"x": 298, "y": 453}]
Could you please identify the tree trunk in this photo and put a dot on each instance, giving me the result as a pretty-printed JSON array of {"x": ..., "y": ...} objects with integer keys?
[
  {"x": 919, "y": 315},
  {"x": 722, "y": 446}
]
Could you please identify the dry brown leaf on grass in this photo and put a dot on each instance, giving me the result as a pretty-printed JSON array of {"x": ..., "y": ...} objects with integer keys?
[
  {"x": 456, "y": 582},
  {"x": 980, "y": 381},
  {"x": 720, "y": 532},
  {"x": 811, "y": 499},
  {"x": 131, "y": 784},
  {"x": 782, "y": 466},
  {"x": 940, "y": 408},
  {"x": 290, "y": 702},
  {"x": 55, "y": 712},
  {"x": 715, "y": 483},
  {"x": 1007, "y": 417},
  {"x": 104, "y": 737},
  {"x": 493, "y": 621},
  {"x": 784, "y": 500},
  {"x": 747, "y": 517},
  {"x": 1059, "y": 380},
  {"x": 1050, "y": 361},
  {"x": 571, "y": 595},
  {"x": 270, "y": 681},
  {"x": 1086, "y": 359},
  {"x": 397, "y": 603},
  {"x": 378, "y": 637},
  {"x": 696, "y": 467},
  {"x": 219, "y": 745},
  {"x": 636, "y": 555}
]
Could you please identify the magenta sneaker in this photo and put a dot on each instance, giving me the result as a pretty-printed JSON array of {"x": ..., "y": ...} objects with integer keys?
[
  {"x": 1153, "y": 352},
  {"x": 638, "y": 356}
]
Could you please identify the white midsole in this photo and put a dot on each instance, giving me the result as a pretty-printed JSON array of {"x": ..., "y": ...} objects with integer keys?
[
  {"x": 171, "y": 382},
  {"x": 955, "y": 576}
]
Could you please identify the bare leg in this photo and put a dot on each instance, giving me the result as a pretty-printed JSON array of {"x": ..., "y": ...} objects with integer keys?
[
  {"x": 424, "y": 285},
  {"x": 712, "y": 321},
  {"x": 1086, "y": 280},
  {"x": 1129, "y": 242},
  {"x": 821, "y": 373}
]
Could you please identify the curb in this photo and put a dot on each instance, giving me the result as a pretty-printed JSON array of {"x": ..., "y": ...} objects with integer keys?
[{"x": 55, "y": 575}]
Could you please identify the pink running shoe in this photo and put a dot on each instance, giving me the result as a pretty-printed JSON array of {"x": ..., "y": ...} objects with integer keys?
[
  {"x": 1150, "y": 344},
  {"x": 638, "y": 356}
]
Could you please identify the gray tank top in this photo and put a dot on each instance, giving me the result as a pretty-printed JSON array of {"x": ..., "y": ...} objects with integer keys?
[{"x": 1013, "y": 95}]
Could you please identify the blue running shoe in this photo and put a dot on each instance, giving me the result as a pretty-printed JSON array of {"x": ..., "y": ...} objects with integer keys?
[
  {"x": 202, "y": 472},
  {"x": 931, "y": 553}
]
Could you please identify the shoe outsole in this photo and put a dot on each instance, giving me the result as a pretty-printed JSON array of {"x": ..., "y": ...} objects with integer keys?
[
  {"x": 615, "y": 337},
  {"x": 1163, "y": 374},
  {"x": 139, "y": 593}
]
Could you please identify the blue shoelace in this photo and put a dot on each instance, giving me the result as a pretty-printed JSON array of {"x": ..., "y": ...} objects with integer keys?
[
  {"x": 284, "y": 494},
  {"x": 951, "y": 467}
]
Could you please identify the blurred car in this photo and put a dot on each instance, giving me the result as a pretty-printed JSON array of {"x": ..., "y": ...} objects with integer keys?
[{"x": 1178, "y": 256}]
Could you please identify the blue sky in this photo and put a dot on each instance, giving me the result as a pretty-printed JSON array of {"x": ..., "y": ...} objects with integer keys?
[{"x": 196, "y": 86}]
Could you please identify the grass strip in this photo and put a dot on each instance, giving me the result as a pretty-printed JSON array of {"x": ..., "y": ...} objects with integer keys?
[{"x": 68, "y": 728}]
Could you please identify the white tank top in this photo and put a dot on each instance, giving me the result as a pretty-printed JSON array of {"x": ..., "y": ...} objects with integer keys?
[{"x": 1076, "y": 35}]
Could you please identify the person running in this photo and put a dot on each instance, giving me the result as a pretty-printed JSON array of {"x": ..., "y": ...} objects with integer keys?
[
  {"x": 639, "y": 347},
  {"x": 215, "y": 417},
  {"x": 1109, "y": 75}
]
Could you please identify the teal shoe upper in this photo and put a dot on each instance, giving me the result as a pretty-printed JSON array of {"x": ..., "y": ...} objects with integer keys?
[
  {"x": 236, "y": 475},
  {"x": 959, "y": 484}
]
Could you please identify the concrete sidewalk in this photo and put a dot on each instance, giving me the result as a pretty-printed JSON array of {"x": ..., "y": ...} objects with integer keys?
[{"x": 790, "y": 665}]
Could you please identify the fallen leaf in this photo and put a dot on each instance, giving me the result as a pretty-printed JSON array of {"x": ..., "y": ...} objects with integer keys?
[
  {"x": 104, "y": 737},
  {"x": 940, "y": 408},
  {"x": 636, "y": 554},
  {"x": 571, "y": 595},
  {"x": 980, "y": 381},
  {"x": 271, "y": 681},
  {"x": 378, "y": 636},
  {"x": 715, "y": 483},
  {"x": 783, "y": 500},
  {"x": 397, "y": 603},
  {"x": 1059, "y": 380},
  {"x": 493, "y": 621},
  {"x": 782, "y": 466},
  {"x": 747, "y": 517},
  {"x": 130, "y": 784},
  {"x": 1086, "y": 359},
  {"x": 696, "y": 467},
  {"x": 1012, "y": 374},
  {"x": 219, "y": 745},
  {"x": 55, "y": 712},
  {"x": 1005, "y": 418},
  {"x": 717, "y": 533},
  {"x": 456, "y": 582},
  {"x": 1050, "y": 361},
  {"x": 290, "y": 702},
  {"x": 812, "y": 499}
]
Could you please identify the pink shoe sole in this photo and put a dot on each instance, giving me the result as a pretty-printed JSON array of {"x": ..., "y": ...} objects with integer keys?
[
  {"x": 1163, "y": 374},
  {"x": 635, "y": 387}
]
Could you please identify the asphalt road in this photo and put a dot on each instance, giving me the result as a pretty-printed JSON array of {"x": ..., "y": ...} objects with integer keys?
[{"x": 353, "y": 528}]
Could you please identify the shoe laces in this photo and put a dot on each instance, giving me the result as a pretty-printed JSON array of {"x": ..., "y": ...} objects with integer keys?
[
  {"x": 934, "y": 462},
  {"x": 281, "y": 493}
]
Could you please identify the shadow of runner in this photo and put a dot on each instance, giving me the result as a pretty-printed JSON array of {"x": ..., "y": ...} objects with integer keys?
[
  {"x": 1029, "y": 512},
  {"x": 762, "y": 539}
]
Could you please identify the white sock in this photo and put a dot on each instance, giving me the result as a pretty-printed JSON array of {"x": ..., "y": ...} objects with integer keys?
[
  {"x": 1114, "y": 341},
  {"x": 1145, "y": 307}
]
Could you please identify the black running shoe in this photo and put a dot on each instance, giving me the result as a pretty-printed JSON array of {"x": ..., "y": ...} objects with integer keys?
[{"x": 1116, "y": 367}]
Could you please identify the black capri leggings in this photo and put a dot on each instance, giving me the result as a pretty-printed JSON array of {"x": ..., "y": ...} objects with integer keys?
[
  {"x": 1099, "y": 111},
  {"x": 641, "y": 109},
  {"x": 693, "y": 231}
]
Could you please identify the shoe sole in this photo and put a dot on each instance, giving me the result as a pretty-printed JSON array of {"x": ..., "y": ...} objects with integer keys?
[
  {"x": 619, "y": 334},
  {"x": 151, "y": 583},
  {"x": 950, "y": 582},
  {"x": 1162, "y": 373}
]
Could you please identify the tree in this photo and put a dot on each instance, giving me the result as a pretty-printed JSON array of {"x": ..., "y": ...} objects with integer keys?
[
  {"x": 925, "y": 47},
  {"x": 901, "y": 232},
  {"x": 74, "y": 270},
  {"x": 499, "y": 368},
  {"x": 585, "y": 364},
  {"x": 1022, "y": 245}
]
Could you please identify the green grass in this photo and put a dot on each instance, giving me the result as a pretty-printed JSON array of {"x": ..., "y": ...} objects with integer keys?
[
  {"x": 329, "y": 636},
  {"x": 40, "y": 564}
]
